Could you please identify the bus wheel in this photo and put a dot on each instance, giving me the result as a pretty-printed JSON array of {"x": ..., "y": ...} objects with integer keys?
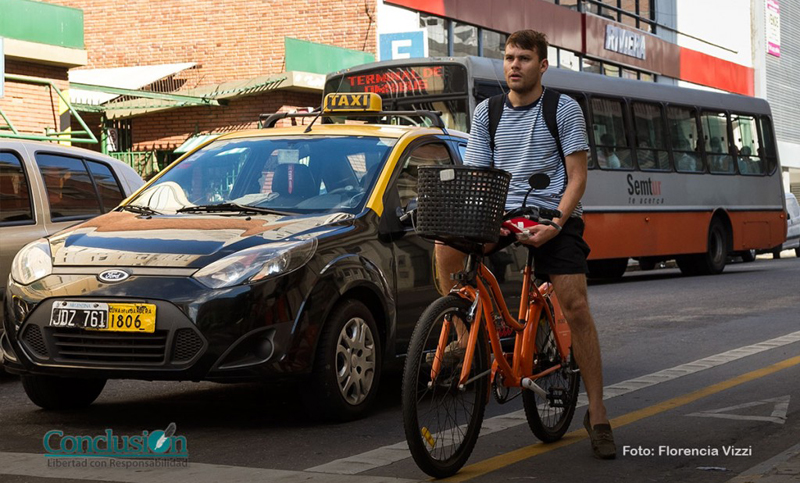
[
  {"x": 611, "y": 268},
  {"x": 713, "y": 261},
  {"x": 776, "y": 253}
]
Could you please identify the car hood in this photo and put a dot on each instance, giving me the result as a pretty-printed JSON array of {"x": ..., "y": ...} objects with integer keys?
[{"x": 130, "y": 240}]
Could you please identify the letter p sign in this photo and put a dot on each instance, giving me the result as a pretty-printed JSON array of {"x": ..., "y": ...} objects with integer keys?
[{"x": 403, "y": 45}]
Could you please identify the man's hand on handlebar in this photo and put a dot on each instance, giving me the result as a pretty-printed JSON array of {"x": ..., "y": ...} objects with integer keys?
[{"x": 537, "y": 235}]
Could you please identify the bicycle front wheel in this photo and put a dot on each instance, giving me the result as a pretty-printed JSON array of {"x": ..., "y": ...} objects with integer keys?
[
  {"x": 549, "y": 418},
  {"x": 442, "y": 420}
]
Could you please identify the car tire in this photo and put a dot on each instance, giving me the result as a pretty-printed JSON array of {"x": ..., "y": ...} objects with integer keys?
[
  {"x": 347, "y": 366},
  {"x": 50, "y": 392},
  {"x": 776, "y": 253},
  {"x": 797, "y": 252}
]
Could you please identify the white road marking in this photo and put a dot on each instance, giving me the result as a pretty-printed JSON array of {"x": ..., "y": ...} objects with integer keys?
[
  {"x": 387, "y": 455},
  {"x": 35, "y": 465},
  {"x": 780, "y": 406}
]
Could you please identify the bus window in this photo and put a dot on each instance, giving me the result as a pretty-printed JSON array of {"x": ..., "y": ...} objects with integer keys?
[
  {"x": 768, "y": 144},
  {"x": 651, "y": 147},
  {"x": 683, "y": 138},
  {"x": 608, "y": 130},
  {"x": 747, "y": 147},
  {"x": 715, "y": 136}
]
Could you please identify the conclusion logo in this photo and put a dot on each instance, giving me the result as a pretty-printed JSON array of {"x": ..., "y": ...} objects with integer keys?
[
  {"x": 159, "y": 444},
  {"x": 113, "y": 275}
]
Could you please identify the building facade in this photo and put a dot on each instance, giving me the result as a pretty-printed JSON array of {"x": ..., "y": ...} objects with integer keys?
[{"x": 39, "y": 43}]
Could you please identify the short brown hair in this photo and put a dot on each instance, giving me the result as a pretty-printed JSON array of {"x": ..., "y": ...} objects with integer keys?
[{"x": 529, "y": 40}]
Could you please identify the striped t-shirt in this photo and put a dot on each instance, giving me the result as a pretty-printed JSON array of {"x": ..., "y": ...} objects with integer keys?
[{"x": 524, "y": 146}]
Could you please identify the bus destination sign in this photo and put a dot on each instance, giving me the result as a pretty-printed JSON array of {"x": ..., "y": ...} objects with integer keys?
[{"x": 404, "y": 81}]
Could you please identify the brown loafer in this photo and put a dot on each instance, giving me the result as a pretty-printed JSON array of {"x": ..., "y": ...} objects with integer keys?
[{"x": 602, "y": 439}]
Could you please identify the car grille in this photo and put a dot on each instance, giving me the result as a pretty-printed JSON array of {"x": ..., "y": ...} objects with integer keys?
[
  {"x": 110, "y": 347},
  {"x": 187, "y": 345},
  {"x": 34, "y": 341}
]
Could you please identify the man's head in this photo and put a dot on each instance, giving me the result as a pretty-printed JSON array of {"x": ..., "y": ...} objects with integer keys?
[{"x": 525, "y": 60}]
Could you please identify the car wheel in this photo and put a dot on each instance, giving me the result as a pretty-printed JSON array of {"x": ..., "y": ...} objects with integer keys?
[
  {"x": 347, "y": 366},
  {"x": 776, "y": 253},
  {"x": 49, "y": 392},
  {"x": 748, "y": 256}
]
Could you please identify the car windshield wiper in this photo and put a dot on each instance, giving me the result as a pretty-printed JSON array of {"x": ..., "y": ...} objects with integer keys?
[
  {"x": 231, "y": 207},
  {"x": 142, "y": 210}
]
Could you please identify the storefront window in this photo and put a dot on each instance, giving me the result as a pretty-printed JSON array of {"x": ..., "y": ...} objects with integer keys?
[
  {"x": 568, "y": 60},
  {"x": 465, "y": 39},
  {"x": 592, "y": 66},
  {"x": 494, "y": 44},
  {"x": 437, "y": 35},
  {"x": 629, "y": 74},
  {"x": 647, "y": 77},
  {"x": 610, "y": 70}
]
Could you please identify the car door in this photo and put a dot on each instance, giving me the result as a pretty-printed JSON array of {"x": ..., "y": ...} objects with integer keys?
[
  {"x": 20, "y": 221},
  {"x": 413, "y": 255}
]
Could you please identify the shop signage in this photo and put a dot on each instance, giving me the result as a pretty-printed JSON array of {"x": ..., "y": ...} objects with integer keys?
[
  {"x": 773, "y": 28},
  {"x": 2, "y": 67},
  {"x": 625, "y": 42},
  {"x": 403, "y": 45}
]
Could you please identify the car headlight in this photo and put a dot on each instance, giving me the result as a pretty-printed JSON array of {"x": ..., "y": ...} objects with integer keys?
[
  {"x": 32, "y": 263},
  {"x": 257, "y": 264}
]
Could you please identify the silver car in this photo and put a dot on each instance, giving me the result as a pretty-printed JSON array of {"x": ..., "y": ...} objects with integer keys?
[{"x": 46, "y": 187}]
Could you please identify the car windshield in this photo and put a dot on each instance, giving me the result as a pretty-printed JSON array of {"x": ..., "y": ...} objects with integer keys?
[{"x": 297, "y": 174}]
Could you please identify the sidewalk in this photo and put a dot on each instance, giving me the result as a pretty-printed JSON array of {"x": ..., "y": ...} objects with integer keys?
[{"x": 784, "y": 468}]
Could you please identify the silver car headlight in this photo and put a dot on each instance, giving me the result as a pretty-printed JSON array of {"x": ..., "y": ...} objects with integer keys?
[
  {"x": 32, "y": 263},
  {"x": 257, "y": 264}
]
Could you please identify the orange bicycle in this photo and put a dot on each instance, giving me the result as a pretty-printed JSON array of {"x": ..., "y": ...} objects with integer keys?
[{"x": 450, "y": 369}]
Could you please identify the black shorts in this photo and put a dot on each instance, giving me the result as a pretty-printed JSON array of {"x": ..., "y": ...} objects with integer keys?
[{"x": 563, "y": 255}]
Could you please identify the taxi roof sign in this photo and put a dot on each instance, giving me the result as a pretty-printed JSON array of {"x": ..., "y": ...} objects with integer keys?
[{"x": 361, "y": 102}]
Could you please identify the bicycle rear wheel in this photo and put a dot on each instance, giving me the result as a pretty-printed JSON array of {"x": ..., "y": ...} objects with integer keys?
[
  {"x": 549, "y": 418},
  {"x": 442, "y": 422}
]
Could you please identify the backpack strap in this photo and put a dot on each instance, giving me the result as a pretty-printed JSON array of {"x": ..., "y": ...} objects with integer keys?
[
  {"x": 495, "y": 113},
  {"x": 550, "y": 100},
  {"x": 549, "y": 107}
]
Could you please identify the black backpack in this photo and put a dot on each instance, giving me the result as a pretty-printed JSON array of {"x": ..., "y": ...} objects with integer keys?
[{"x": 550, "y": 99}]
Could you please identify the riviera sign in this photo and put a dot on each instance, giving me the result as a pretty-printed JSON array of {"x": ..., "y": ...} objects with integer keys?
[{"x": 625, "y": 42}]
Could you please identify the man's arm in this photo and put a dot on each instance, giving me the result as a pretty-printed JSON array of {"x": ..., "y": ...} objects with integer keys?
[{"x": 577, "y": 169}]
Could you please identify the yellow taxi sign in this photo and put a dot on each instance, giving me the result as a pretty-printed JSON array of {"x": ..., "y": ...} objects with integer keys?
[{"x": 362, "y": 102}]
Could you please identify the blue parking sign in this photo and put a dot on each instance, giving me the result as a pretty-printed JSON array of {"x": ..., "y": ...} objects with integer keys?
[{"x": 403, "y": 45}]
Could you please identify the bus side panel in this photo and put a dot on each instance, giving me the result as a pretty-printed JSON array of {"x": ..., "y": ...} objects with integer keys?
[
  {"x": 757, "y": 229},
  {"x": 641, "y": 234}
]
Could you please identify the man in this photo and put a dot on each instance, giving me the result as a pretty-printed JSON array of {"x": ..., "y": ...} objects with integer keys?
[
  {"x": 523, "y": 146},
  {"x": 607, "y": 157}
]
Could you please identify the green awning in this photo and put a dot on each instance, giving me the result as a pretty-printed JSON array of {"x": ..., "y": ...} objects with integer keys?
[{"x": 193, "y": 142}]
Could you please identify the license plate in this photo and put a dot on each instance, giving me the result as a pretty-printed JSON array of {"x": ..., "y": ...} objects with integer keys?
[{"x": 104, "y": 316}]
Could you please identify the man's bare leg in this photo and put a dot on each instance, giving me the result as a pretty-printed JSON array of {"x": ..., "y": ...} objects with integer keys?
[
  {"x": 450, "y": 261},
  {"x": 573, "y": 297}
]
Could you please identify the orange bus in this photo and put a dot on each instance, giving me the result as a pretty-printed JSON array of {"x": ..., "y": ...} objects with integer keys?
[{"x": 674, "y": 173}]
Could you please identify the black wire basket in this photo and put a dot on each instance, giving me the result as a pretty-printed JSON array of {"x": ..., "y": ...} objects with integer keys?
[{"x": 461, "y": 205}]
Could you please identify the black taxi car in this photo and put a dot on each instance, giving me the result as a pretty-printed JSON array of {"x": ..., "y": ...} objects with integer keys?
[{"x": 263, "y": 254}]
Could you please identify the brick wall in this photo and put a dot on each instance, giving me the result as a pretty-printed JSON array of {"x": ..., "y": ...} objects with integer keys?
[
  {"x": 231, "y": 39},
  {"x": 32, "y": 107},
  {"x": 167, "y": 130}
]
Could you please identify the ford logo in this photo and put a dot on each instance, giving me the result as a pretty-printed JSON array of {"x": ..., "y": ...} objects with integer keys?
[{"x": 114, "y": 275}]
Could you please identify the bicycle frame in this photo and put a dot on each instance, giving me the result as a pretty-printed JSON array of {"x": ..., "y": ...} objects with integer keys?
[{"x": 483, "y": 292}]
